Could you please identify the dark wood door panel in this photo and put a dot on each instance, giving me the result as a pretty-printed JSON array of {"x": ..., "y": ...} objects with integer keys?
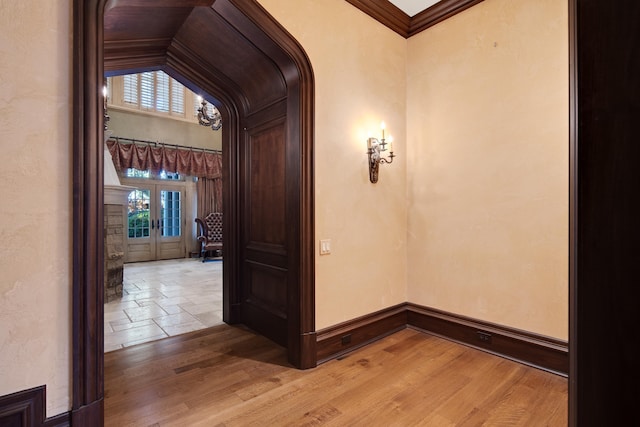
[
  {"x": 266, "y": 227},
  {"x": 261, "y": 321},
  {"x": 267, "y": 205},
  {"x": 265, "y": 288},
  {"x": 274, "y": 255},
  {"x": 264, "y": 307}
]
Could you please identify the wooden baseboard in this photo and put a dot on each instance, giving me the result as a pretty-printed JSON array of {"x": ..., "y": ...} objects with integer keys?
[
  {"x": 531, "y": 349},
  {"x": 89, "y": 415},
  {"x": 308, "y": 342},
  {"x": 337, "y": 340},
  {"x": 27, "y": 409},
  {"x": 535, "y": 350}
]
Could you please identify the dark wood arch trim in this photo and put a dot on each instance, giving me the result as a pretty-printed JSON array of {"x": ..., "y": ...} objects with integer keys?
[
  {"x": 573, "y": 214},
  {"x": 301, "y": 334},
  {"x": 88, "y": 72}
]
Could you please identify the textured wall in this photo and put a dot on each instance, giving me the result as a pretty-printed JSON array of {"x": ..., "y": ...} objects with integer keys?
[
  {"x": 35, "y": 187},
  {"x": 151, "y": 128},
  {"x": 359, "y": 68},
  {"x": 488, "y": 165}
]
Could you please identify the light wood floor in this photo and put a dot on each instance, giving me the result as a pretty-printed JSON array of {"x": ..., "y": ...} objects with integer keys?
[{"x": 228, "y": 376}]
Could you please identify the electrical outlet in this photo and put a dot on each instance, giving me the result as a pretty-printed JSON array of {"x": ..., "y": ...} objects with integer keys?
[
  {"x": 346, "y": 339},
  {"x": 485, "y": 337}
]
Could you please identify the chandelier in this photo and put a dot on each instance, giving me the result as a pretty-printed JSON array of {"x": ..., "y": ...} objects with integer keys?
[{"x": 213, "y": 119}]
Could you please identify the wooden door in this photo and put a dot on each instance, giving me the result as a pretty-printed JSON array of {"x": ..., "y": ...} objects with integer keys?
[
  {"x": 141, "y": 242},
  {"x": 155, "y": 222},
  {"x": 265, "y": 252},
  {"x": 170, "y": 221}
]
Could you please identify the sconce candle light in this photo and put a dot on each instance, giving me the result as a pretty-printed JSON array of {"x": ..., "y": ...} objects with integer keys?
[
  {"x": 105, "y": 93},
  {"x": 375, "y": 148}
]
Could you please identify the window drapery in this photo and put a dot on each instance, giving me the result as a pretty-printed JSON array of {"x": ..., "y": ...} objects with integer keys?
[
  {"x": 192, "y": 162},
  {"x": 209, "y": 194}
]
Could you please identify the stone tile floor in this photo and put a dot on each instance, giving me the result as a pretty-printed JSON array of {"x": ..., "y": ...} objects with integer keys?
[{"x": 163, "y": 299}]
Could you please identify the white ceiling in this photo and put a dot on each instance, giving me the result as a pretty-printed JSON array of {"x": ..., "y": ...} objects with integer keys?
[{"x": 413, "y": 7}]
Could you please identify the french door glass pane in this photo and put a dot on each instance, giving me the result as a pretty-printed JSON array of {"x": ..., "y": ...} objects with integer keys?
[
  {"x": 138, "y": 213},
  {"x": 135, "y": 173},
  {"x": 169, "y": 175},
  {"x": 170, "y": 213}
]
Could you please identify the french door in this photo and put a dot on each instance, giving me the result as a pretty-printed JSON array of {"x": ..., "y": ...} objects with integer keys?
[{"x": 155, "y": 222}]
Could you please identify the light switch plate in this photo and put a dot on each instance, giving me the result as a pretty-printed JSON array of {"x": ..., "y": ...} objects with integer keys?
[{"x": 325, "y": 246}]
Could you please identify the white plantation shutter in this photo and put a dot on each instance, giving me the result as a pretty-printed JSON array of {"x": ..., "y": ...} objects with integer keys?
[
  {"x": 147, "y": 91},
  {"x": 177, "y": 97},
  {"x": 154, "y": 91},
  {"x": 197, "y": 103},
  {"x": 130, "y": 95},
  {"x": 162, "y": 92}
]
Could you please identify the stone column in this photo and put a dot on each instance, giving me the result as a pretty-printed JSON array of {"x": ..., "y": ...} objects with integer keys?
[
  {"x": 113, "y": 252},
  {"x": 115, "y": 240}
]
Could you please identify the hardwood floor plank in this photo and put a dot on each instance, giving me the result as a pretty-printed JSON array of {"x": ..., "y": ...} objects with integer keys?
[
  {"x": 465, "y": 403},
  {"x": 228, "y": 376}
]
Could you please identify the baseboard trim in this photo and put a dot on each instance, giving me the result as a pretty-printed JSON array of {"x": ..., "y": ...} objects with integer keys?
[
  {"x": 531, "y": 349},
  {"x": 337, "y": 340},
  {"x": 89, "y": 415},
  {"x": 26, "y": 408},
  {"x": 308, "y": 342}
]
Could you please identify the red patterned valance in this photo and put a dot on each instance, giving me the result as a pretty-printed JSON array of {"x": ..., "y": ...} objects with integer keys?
[{"x": 192, "y": 162}]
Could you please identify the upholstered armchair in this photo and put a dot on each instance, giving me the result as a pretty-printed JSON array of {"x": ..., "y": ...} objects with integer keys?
[{"x": 210, "y": 234}]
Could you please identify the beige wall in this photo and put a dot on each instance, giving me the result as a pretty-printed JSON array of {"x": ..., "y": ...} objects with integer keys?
[
  {"x": 488, "y": 165},
  {"x": 151, "y": 128},
  {"x": 359, "y": 68},
  {"x": 486, "y": 150},
  {"x": 35, "y": 188}
]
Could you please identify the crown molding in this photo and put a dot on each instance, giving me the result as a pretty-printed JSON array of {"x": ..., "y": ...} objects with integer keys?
[
  {"x": 392, "y": 17},
  {"x": 386, "y": 13}
]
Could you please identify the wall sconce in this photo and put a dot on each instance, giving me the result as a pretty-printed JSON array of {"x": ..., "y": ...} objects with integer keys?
[
  {"x": 205, "y": 119},
  {"x": 105, "y": 93},
  {"x": 375, "y": 148}
]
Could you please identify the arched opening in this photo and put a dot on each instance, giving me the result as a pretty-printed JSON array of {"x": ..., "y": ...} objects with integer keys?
[{"x": 265, "y": 94}]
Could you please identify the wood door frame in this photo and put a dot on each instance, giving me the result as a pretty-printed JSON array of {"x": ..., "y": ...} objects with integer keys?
[
  {"x": 88, "y": 194},
  {"x": 573, "y": 213}
]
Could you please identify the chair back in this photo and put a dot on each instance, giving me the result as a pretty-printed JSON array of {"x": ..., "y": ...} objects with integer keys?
[{"x": 214, "y": 226}]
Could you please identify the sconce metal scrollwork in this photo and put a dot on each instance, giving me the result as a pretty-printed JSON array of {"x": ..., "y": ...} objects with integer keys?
[
  {"x": 205, "y": 119},
  {"x": 375, "y": 148}
]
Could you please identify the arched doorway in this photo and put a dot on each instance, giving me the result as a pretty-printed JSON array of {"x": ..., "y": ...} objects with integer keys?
[{"x": 265, "y": 94}]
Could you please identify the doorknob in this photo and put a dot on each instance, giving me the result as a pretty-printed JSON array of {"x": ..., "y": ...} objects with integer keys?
[
  {"x": 158, "y": 224},
  {"x": 152, "y": 224}
]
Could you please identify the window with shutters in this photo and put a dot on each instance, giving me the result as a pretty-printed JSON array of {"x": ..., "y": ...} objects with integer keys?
[
  {"x": 153, "y": 92},
  {"x": 131, "y": 89}
]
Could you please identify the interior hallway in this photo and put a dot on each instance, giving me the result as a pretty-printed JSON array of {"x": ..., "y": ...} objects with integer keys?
[{"x": 163, "y": 299}]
